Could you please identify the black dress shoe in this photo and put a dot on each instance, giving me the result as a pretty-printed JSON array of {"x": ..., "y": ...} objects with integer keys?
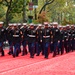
[
  {"x": 37, "y": 55},
  {"x": 13, "y": 55},
  {"x": 31, "y": 56},
  {"x": 9, "y": 53},
  {"x": 22, "y": 54},
  {"x": 46, "y": 57},
  {"x": 2, "y": 55}
]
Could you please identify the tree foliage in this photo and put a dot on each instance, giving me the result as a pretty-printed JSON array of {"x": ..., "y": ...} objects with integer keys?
[{"x": 59, "y": 10}]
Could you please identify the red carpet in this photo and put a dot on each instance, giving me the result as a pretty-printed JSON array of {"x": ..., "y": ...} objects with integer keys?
[{"x": 24, "y": 65}]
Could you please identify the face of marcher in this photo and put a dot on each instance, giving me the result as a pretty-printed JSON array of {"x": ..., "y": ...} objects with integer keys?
[
  {"x": 40, "y": 27},
  {"x": 15, "y": 27},
  {"x": 55, "y": 26},
  {"x": 72, "y": 27},
  {"x": 31, "y": 27},
  {"x": 25, "y": 26},
  {"x": 46, "y": 26}
]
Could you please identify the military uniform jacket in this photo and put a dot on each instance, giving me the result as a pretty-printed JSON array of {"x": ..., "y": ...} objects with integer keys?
[
  {"x": 39, "y": 35},
  {"x": 46, "y": 35},
  {"x": 24, "y": 34},
  {"x": 10, "y": 34},
  {"x": 16, "y": 36},
  {"x": 56, "y": 34},
  {"x": 61, "y": 35},
  {"x": 72, "y": 34},
  {"x": 2, "y": 34},
  {"x": 69, "y": 34},
  {"x": 31, "y": 35},
  {"x": 66, "y": 37},
  {"x": 51, "y": 33}
]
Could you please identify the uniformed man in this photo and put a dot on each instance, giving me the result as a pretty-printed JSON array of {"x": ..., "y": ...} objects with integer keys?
[
  {"x": 24, "y": 37},
  {"x": 39, "y": 40},
  {"x": 69, "y": 37},
  {"x": 2, "y": 38},
  {"x": 56, "y": 39},
  {"x": 31, "y": 40},
  {"x": 51, "y": 41},
  {"x": 10, "y": 38},
  {"x": 66, "y": 40},
  {"x": 46, "y": 39},
  {"x": 72, "y": 38},
  {"x": 61, "y": 39},
  {"x": 17, "y": 41}
]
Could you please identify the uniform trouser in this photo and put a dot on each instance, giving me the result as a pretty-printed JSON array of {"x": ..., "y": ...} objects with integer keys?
[
  {"x": 24, "y": 47},
  {"x": 10, "y": 47},
  {"x": 70, "y": 45},
  {"x": 41, "y": 47},
  {"x": 1, "y": 49},
  {"x": 16, "y": 49},
  {"x": 62, "y": 47},
  {"x": 56, "y": 48},
  {"x": 46, "y": 47},
  {"x": 66, "y": 45},
  {"x": 37, "y": 48},
  {"x": 32, "y": 48},
  {"x": 73, "y": 45},
  {"x": 51, "y": 47}
]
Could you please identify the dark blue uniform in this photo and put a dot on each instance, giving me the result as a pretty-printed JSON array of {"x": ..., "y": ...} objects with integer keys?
[
  {"x": 2, "y": 39},
  {"x": 66, "y": 41},
  {"x": 31, "y": 41},
  {"x": 46, "y": 41},
  {"x": 17, "y": 41},
  {"x": 24, "y": 39},
  {"x": 39, "y": 44},
  {"x": 52, "y": 40},
  {"x": 10, "y": 40},
  {"x": 61, "y": 41},
  {"x": 73, "y": 39},
  {"x": 56, "y": 41}
]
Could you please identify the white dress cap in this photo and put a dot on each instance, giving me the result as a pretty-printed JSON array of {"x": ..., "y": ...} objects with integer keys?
[
  {"x": 55, "y": 23},
  {"x": 1, "y": 22},
  {"x": 24, "y": 23}
]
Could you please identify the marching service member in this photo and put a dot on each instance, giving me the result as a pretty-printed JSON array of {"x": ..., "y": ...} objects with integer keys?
[
  {"x": 24, "y": 37},
  {"x": 39, "y": 36},
  {"x": 31, "y": 40},
  {"x": 16, "y": 40},
  {"x": 10, "y": 38},
  {"x": 56, "y": 39},
  {"x": 2, "y": 37},
  {"x": 46, "y": 39}
]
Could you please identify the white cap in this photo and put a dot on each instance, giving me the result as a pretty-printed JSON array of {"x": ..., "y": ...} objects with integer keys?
[
  {"x": 31, "y": 24},
  {"x": 55, "y": 23},
  {"x": 1, "y": 22},
  {"x": 46, "y": 23},
  {"x": 39, "y": 24},
  {"x": 19, "y": 24},
  {"x": 15, "y": 24},
  {"x": 10, "y": 24},
  {"x": 67, "y": 25},
  {"x": 24, "y": 23}
]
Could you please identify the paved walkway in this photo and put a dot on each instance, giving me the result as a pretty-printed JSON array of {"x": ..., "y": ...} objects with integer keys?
[{"x": 24, "y": 65}]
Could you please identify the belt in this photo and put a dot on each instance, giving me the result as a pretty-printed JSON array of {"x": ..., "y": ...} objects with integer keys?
[
  {"x": 31, "y": 35},
  {"x": 65, "y": 36},
  {"x": 46, "y": 36},
  {"x": 15, "y": 35}
]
